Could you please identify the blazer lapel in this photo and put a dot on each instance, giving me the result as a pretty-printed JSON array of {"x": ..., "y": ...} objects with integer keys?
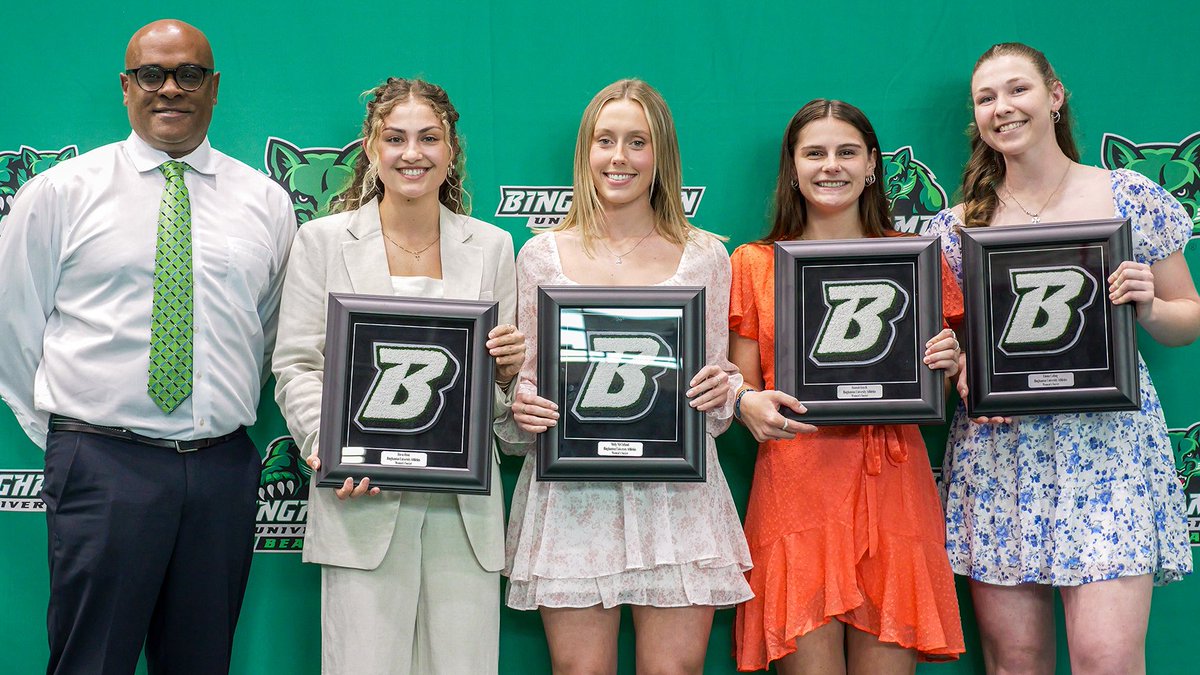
[
  {"x": 462, "y": 261},
  {"x": 364, "y": 255}
]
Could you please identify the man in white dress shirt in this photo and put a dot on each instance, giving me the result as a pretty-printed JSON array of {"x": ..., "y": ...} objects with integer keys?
[{"x": 140, "y": 284}]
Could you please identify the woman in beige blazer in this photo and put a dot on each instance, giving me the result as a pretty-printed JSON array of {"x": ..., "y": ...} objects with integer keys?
[{"x": 409, "y": 581}]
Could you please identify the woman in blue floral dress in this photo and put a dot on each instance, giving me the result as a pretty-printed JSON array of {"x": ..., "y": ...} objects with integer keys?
[{"x": 1086, "y": 503}]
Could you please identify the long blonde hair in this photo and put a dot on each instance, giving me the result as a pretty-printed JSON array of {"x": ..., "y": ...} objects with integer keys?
[
  {"x": 366, "y": 185},
  {"x": 984, "y": 171},
  {"x": 586, "y": 213}
]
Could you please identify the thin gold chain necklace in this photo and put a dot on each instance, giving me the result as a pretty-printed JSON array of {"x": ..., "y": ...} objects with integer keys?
[
  {"x": 618, "y": 256},
  {"x": 1036, "y": 217},
  {"x": 415, "y": 254}
]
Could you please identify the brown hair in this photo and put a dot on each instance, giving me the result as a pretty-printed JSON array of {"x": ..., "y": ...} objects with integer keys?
[
  {"x": 790, "y": 215},
  {"x": 586, "y": 213},
  {"x": 383, "y": 99},
  {"x": 984, "y": 171}
]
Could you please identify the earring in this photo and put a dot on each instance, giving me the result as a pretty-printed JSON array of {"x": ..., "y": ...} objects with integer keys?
[
  {"x": 870, "y": 179},
  {"x": 795, "y": 185},
  {"x": 1055, "y": 115}
]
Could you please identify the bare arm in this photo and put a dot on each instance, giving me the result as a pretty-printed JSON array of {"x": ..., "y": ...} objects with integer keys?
[{"x": 1163, "y": 295}]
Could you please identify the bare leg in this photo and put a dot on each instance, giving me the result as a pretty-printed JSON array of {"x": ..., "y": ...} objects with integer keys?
[
  {"x": 1016, "y": 626},
  {"x": 1106, "y": 625},
  {"x": 819, "y": 652},
  {"x": 582, "y": 641},
  {"x": 671, "y": 640},
  {"x": 866, "y": 655}
]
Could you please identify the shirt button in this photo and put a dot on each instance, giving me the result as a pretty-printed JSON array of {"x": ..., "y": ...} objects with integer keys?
[{"x": 201, "y": 421}]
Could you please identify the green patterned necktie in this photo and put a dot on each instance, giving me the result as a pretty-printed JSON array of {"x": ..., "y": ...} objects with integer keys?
[{"x": 170, "y": 380}]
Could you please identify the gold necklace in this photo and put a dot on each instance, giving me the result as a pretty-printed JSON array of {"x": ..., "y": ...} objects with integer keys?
[
  {"x": 1036, "y": 217},
  {"x": 415, "y": 254},
  {"x": 618, "y": 256}
]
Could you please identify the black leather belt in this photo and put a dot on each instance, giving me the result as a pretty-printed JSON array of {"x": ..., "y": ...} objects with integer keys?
[{"x": 60, "y": 423}]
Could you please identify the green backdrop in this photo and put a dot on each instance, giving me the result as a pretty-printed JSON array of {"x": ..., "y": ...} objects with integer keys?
[{"x": 520, "y": 73}]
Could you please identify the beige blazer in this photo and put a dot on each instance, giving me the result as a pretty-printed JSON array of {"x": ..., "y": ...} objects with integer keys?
[{"x": 345, "y": 253}]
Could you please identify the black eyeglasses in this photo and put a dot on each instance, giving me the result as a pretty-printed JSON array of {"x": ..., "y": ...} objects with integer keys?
[{"x": 189, "y": 76}]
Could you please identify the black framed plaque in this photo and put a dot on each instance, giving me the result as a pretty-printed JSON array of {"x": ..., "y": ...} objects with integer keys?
[
  {"x": 1042, "y": 336},
  {"x": 408, "y": 393},
  {"x": 851, "y": 321},
  {"x": 617, "y": 361}
]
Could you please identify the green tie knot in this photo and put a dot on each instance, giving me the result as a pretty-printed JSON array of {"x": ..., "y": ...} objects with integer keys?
[{"x": 173, "y": 170}]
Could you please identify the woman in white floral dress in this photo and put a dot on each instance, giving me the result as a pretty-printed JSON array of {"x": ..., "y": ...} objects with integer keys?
[
  {"x": 1086, "y": 503},
  {"x": 579, "y": 550}
]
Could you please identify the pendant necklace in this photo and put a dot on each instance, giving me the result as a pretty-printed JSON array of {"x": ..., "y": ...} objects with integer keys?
[
  {"x": 415, "y": 254},
  {"x": 619, "y": 256},
  {"x": 1036, "y": 216}
]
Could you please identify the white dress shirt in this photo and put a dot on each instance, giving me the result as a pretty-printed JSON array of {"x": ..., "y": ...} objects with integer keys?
[{"x": 76, "y": 288}]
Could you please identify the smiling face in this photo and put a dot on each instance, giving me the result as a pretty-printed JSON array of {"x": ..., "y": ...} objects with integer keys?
[
  {"x": 170, "y": 119},
  {"x": 1013, "y": 104},
  {"x": 621, "y": 156},
  {"x": 411, "y": 154},
  {"x": 832, "y": 163}
]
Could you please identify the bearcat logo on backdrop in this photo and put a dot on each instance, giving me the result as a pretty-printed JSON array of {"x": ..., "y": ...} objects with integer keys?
[
  {"x": 282, "y": 499},
  {"x": 21, "y": 490},
  {"x": 1186, "y": 445},
  {"x": 1175, "y": 166},
  {"x": 18, "y": 166},
  {"x": 408, "y": 393},
  {"x": 621, "y": 382},
  {"x": 860, "y": 326},
  {"x": 547, "y": 206},
  {"x": 1047, "y": 317},
  {"x": 912, "y": 190},
  {"x": 311, "y": 176}
]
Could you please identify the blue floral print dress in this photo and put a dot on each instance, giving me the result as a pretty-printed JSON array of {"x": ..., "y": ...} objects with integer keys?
[{"x": 1069, "y": 499}]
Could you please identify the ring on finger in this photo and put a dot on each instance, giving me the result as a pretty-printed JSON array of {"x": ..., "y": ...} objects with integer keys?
[{"x": 785, "y": 424}]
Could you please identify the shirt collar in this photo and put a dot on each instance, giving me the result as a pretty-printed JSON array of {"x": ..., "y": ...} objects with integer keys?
[{"x": 146, "y": 158}]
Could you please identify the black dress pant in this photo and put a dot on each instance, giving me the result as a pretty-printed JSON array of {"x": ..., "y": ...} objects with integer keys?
[{"x": 149, "y": 547}]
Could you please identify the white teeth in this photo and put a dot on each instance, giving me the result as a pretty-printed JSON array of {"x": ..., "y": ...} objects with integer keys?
[
  {"x": 620, "y": 176},
  {"x": 1010, "y": 126},
  {"x": 832, "y": 183},
  {"x": 413, "y": 172}
]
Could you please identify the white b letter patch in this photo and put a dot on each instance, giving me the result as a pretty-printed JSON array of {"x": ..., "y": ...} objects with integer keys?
[
  {"x": 621, "y": 383},
  {"x": 1047, "y": 317},
  {"x": 859, "y": 327},
  {"x": 407, "y": 394}
]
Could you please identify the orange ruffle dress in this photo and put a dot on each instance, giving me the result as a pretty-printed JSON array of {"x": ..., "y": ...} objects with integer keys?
[{"x": 844, "y": 523}]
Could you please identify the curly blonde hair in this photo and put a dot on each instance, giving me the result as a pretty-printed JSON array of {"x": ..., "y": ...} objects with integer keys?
[{"x": 366, "y": 185}]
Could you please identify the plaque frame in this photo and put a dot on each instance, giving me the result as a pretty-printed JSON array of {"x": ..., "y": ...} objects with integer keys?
[
  {"x": 454, "y": 334},
  {"x": 896, "y": 387},
  {"x": 565, "y": 450},
  {"x": 1097, "y": 247}
]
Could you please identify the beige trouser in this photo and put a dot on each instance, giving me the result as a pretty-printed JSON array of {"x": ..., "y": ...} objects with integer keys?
[{"x": 428, "y": 609}]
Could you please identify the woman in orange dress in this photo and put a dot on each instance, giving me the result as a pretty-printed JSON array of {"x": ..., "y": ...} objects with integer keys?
[{"x": 844, "y": 524}]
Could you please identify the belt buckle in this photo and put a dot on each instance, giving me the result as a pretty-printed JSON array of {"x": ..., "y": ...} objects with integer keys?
[{"x": 182, "y": 450}]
